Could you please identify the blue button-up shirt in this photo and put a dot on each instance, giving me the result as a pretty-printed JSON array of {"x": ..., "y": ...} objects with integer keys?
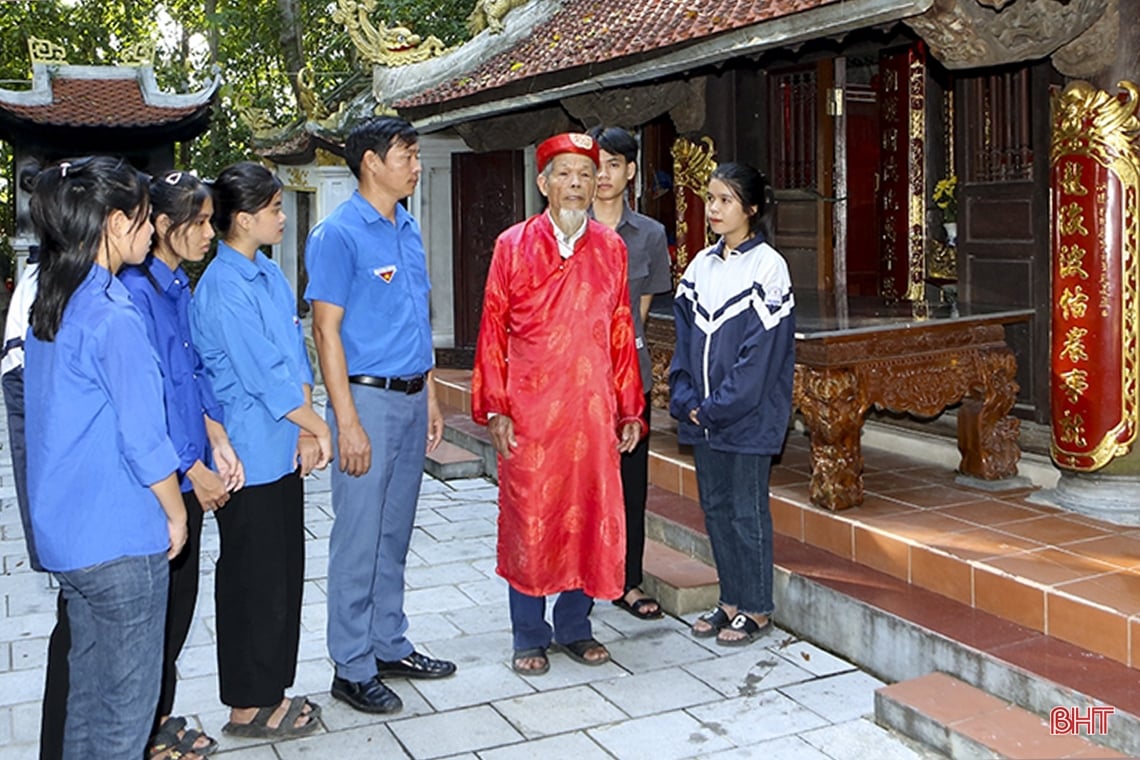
[
  {"x": 96, "y": 432},
  {"x": 356, "y": 258},
  {"x": 165, "y": 308},
  {"x": 244, "y": 321}
]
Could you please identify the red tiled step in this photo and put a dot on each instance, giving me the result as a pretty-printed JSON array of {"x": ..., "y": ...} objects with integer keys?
[{"x": 960, "y": 720}]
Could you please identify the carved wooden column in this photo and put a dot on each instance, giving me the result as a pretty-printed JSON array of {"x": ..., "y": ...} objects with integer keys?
[
  {"x": 1095, "y": 346},
  {"x": 692, "y": 165}
]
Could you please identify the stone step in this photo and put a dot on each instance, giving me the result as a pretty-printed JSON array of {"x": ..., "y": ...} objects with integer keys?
[
  {"x": 962, "y": 721},
  {"x": 679, "y": 582},
  {"x": 901, "y": 632},
  {"x": 452, "y": 462},
  {"x": 461, "y": 430}
]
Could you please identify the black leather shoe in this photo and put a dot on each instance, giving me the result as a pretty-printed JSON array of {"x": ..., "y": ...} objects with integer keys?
[
  {"x": 415, "y": 665},
  {"x": 369, "y": 696}
]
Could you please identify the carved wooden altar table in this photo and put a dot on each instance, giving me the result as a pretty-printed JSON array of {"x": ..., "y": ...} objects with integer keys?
[{"x": 918, "y": 358}]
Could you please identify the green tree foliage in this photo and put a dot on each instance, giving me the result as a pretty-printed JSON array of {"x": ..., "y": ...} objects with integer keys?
[{"x": 258, "y": 45}]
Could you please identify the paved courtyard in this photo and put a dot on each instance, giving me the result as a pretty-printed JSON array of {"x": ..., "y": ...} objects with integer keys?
[{"x": 665, "y": 695}]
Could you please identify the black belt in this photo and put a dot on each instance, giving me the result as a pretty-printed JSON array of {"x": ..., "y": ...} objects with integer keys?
[{"x": 409, "y": 386}]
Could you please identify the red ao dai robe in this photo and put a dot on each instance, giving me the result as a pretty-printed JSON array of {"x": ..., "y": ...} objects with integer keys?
[{"x": 556, "y": 354}]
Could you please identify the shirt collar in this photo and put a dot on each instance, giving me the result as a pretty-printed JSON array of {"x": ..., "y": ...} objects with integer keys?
[
  {"x": 164, "y": 276},
  {"x": 369, "y": 213},
  {"x": 234, "y": 258},
  {"x": 743, "y": 248}
]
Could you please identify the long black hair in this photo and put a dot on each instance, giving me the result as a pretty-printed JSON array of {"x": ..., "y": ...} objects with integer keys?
[
  {"x": 752, "y": 188},
  {"x": 180, "y": 196},
  {"x": 244, "y": 186},
  {"x": 70, "y": 203}
]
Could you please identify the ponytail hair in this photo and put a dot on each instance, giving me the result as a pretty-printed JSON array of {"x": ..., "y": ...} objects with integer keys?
[
  {"x": 752, "y": 188},
  {"x": 243, "y": 186},
  {"x": 70, "y": 203},
  {"x": 180, "y": 196}
]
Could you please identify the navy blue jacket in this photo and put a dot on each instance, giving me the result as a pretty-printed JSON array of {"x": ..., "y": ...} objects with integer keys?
[{"x": 735, "y": 355}]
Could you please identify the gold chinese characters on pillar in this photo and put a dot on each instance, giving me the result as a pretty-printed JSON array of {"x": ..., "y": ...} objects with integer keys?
[{"x": 1095, "y": 344}]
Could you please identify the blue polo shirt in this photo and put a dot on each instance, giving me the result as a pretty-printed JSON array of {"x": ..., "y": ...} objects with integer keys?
[
  {"x": 244, "y": 321},
  {"x": 165, "y": 308},
  {"x": 96, "y": 432},
  {"x": 377, "y": 272}
]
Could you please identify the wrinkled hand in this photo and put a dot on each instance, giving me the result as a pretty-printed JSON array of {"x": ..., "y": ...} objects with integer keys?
[
  {"x": 208, "y": 487},
  {"x": 630, "y": 435},
  {"x": 355, "y": 450},
  {"x": 178, "y": 532},
  {"x": 502, "y": 430},
  {"x": 228, "y": 465}
]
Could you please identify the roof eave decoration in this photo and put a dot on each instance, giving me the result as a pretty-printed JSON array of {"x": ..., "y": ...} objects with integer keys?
[
  {"x": 40, "y": 93},
  {"x": 489, "y": 15},
  {"x": 386, "y": 45},
  {"x": 390, "y": 85}
]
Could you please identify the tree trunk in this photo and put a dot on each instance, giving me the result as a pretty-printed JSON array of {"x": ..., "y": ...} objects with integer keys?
[{"x": 288, "y": 12}]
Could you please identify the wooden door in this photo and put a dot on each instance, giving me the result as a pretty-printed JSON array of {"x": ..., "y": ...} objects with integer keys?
[
  {"x": 802, "y": 160},
  {"x": 1002, "y": 135},
  {"x": 487, "y": 197}
]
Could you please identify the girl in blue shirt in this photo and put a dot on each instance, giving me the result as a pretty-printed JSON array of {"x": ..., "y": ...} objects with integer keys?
[
  {"x": 181, "y": 209},
  {"x": 103, "y": 494},
  {"x": 245, "y": 326}
]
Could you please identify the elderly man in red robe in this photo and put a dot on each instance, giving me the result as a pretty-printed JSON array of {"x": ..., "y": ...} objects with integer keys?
[{"x": 557, "y": 384}]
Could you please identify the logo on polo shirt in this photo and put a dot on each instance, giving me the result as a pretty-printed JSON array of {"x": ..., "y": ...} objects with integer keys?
[{"x": 385, "y": 273}]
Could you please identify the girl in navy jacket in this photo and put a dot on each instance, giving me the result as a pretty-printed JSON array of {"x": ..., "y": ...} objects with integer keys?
[{"x": 731, "y": 391}]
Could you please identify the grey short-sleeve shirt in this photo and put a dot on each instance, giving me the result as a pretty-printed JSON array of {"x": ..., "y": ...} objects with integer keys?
[{"x": 648, "y": 274}]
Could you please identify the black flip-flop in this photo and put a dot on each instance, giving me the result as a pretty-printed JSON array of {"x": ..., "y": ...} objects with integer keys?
[
  {"x": 577, "y": 651},
  {"x": 716, "y": 619},
  {"x": 637, "y": 608},
  {"x": 747, "y": 626}
]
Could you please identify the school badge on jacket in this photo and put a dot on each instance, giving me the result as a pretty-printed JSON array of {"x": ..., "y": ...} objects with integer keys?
[{"x": 385, "y": 273}]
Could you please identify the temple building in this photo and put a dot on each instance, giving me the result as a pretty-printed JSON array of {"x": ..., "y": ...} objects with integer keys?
[{"x": 72, "y": 110}]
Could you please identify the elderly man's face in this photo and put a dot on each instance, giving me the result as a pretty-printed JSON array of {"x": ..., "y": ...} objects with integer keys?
[{"x": 571, "y": 184}]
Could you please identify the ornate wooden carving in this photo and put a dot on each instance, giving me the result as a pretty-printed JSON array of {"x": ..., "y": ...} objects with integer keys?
[
  {"x": 966, "y": 34},
  {"x": 1095, "y": 348},
  {"x": 692, "y": 165},
  {"x": 920, "y": 369}
]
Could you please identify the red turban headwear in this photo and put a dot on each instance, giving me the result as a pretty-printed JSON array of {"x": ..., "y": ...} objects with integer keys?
[{"x": 567, "y": 142}]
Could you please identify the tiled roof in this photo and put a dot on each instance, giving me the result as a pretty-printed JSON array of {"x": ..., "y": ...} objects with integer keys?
[
  {"x": 98, "y": 103},
  {"x": 586, "y": 32}
]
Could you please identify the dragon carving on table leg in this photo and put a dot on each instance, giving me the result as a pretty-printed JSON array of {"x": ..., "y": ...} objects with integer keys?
[
  {"x": 833, "y": 407},
  {"x": 987, "y": 434}
]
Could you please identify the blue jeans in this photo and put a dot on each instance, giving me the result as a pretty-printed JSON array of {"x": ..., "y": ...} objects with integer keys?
[
  {"x": 372, "y": 528},
  {"x": 734, "y": 496},
  {"x": 117, "y": 612},
  {"x": 528, "y": 619}
]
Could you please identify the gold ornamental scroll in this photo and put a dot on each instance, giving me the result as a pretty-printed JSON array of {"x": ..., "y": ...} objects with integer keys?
[
  {"x": 692, "y": 166},
  {"x": 1095, "y": 343}
]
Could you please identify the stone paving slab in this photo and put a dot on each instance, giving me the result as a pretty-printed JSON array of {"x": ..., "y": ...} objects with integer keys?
[{"x": 665, "y": 695}]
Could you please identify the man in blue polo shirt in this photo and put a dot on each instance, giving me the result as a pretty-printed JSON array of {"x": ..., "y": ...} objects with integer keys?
[{"x": 369, "y": 287}]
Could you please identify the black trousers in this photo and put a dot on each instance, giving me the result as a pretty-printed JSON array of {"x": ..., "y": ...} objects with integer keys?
[
  {"x": 183, "y": 597},
  {"x": 54, "y": 710},
  {"x": 179, "y": 614},
  {"x": 257, "y": 591},
  {"x": 634, "y": 484}
]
